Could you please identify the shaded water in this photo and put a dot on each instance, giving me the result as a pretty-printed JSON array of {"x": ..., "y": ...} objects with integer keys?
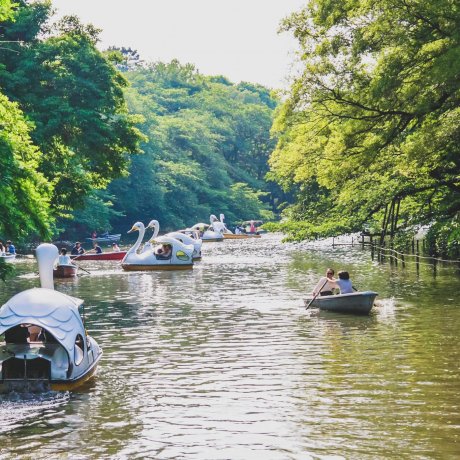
[{"x": 223, "y": 362}]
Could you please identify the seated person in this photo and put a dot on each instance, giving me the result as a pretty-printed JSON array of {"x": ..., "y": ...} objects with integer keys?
[
  {"x": 115, "y": 247},
  {"x": 164, "y": 251},
  {"x": 17, "y": 334},
  {"x": 77, "y": 249},
  {"x": 326, "y": 284},
  {"x": 96, "y": 248},
  {"x": 344, "y": 283},
  {"x": 34, "y": 332},
  {"x": 64, "y": 259},
  {"x": 10, "y": 249}
]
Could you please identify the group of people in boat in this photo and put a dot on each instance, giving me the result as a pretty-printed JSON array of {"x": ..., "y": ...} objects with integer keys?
[
  {"x": 77, "y": 250},
  {"x": 328, "y": 285},
  {"x": 7, "y": 248}
]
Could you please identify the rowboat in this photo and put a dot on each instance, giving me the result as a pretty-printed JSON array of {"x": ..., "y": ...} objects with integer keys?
[
  {"x": 8, "y": 257},
  {"x": 45, "y": 345},
  {"x": 102, "y": 256},
  {"x": 65, "y": 271},
  {"x": 106, "y": 238},
  {"x": 241, "y": 236},
  {"x": 358, "y": 303}
]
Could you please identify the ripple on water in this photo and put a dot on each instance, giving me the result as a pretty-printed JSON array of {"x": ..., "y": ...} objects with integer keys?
[{"x": 223, "y": 361}]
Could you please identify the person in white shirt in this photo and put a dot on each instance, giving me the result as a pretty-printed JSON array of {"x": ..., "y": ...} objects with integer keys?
[
  {"x": 344, "y": 283},
  {"x": 64, "y": 259},
  {"x": 326, "y": 284}
]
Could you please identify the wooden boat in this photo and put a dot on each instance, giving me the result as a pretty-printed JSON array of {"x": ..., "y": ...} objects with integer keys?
[
  {"x": 359, "y": 303},
  {"x": 8, "y": 257},
  {"x": 241, "y": 236},
  {"x": 46, "y": 346},
  {"x": 65, "y": 271},
  {"x": 105, "y": 238},
  {"x": 103, "y": 256}
]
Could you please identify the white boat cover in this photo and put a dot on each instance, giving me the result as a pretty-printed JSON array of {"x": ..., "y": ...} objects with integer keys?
[{"x": 47, "y": 308}]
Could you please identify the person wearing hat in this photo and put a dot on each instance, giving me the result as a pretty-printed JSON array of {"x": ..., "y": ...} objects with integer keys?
[
  {"x": 77, "y": 249},
  {"x": 115, "y": 247}
]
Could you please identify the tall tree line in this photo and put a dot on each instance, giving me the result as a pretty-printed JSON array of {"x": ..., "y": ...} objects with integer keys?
[{"x": 371, "y": 127}]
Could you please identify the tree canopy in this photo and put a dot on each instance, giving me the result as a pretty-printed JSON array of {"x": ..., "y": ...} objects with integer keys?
[{"x": 373, "y": 121}]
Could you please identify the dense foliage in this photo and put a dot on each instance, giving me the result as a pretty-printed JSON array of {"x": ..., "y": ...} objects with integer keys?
[
  {"x": 72, "y": 96},
  {"x": 207, "y": 149},
  {"x": 371, "y": 128}
]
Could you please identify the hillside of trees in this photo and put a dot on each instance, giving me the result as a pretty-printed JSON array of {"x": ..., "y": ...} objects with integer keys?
[{"x": 96, "y": 140}]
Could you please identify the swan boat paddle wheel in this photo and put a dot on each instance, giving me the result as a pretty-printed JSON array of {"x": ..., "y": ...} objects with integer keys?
[
  {"x": 45, "y": 345},
  {"x": 161, "y": 253}
]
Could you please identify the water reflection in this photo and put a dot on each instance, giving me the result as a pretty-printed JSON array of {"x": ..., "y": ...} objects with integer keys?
[{"x": 224, "y": 362}]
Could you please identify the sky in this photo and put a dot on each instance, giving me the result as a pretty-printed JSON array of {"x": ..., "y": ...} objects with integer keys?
[{"x": 234, "y": 38}]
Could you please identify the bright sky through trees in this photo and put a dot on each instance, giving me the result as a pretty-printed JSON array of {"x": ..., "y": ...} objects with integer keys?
[{"x": 235, "y": 38}]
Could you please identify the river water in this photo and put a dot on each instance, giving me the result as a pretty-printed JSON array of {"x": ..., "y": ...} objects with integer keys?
[{"x": 224, "y": 362}]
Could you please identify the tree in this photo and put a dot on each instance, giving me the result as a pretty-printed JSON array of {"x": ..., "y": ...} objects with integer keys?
[
  {"x": 371, "y": 127},
  {"x": 74, "y": 97}
]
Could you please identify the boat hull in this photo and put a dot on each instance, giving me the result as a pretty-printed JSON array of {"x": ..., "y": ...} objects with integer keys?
[
  {"x": 106, "y": 239},
  {"x": 358, "y": 303},
  {"x": 8, "y": 257},
  {"x": 65, "y": 271},
  {"x": 103, "y": 256},
  {"x": 153, "y": 267},
  {"x": 232, "y": 236},
  {"x": 211, "y": 240}
]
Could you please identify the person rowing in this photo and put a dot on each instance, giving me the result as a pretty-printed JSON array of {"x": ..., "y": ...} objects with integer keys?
[{"x": 326, "y": 284}]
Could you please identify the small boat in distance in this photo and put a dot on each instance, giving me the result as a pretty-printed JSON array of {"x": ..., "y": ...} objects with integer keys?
[
  {"x": 44, "y": 343},
  {"x": 358, "y": 303},
  {"x": 8, "y": 257},
  {"x": 65, "y": 271},
  {"x": 102, "y": 256},
  {"x": 105, "y": 238}
]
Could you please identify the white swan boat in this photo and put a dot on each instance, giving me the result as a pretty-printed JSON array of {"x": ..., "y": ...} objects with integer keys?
[
  {"x": 189, "y": 238},
  {"x": 45, "y": 345},
  {"x": 359, "y": 303},
  {"x": 211, "y": 232},
  {"x": 151, "y": 258}
]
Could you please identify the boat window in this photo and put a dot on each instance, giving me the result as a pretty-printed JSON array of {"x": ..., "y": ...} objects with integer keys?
[
  {"x": 182, "y": 256},
  {"x": 79, "y": 349}
]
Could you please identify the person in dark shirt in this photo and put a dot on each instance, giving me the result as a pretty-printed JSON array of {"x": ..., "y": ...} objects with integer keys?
[
  {"x": 77, "y": 249},
  {"x": 96, "y": 248}
]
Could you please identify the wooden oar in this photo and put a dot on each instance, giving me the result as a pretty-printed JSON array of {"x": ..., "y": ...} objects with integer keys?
[
  {"x": 316, "y": 295},
  {"x": 81, "y": 268}
]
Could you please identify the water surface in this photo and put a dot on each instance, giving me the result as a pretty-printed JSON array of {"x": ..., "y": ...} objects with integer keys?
[{"x": 223, "y": 362}]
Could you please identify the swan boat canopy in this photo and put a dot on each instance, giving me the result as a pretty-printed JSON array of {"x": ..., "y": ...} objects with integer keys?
[
  {"x": 212, "y": 232},
  {"x": 45, "y": 345},
  {"x": 154, "y": 256},
  {"x": 189, "y": 240}
]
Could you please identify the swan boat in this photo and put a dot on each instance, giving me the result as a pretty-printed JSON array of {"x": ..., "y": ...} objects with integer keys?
[
  {"x": 358, "y": 303},
  {"x": 187, "y": 237},
  {"x": 45, "y": 345},
  {"x": 181, "y": 257},
  {"x": 65, "y": 271},
  {"x": 211, "y": 232}
]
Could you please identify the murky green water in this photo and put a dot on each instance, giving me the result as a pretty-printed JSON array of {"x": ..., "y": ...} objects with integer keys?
[{"x": 223, "y": 362}]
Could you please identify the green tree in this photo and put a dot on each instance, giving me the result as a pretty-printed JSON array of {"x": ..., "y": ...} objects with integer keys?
[
  {"x": 74, "y": 96},
  {"x": 371, "y": 127}
]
